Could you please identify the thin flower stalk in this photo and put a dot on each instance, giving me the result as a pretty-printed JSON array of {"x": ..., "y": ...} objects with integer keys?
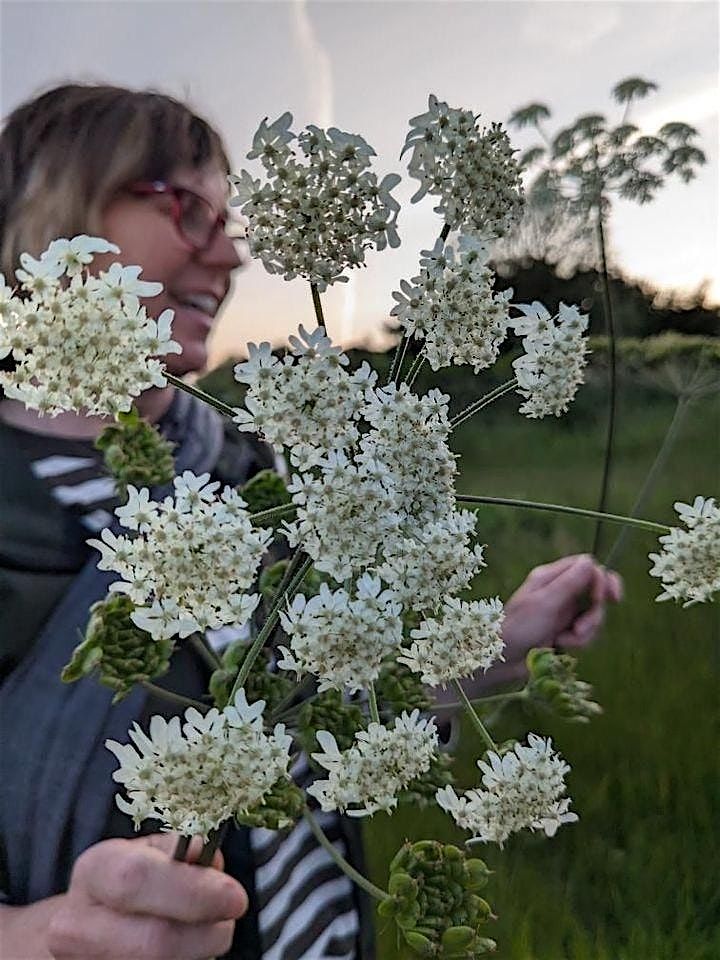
[
  {"x": 477, "y": 722},
  {"x": 223, "y": 408},
  {"x": 559, "y": 508},
  {"x": 317, "y": 304},
  {"x": 346, "y": 868},
  {"x": 173, "y": 697},
  {"x": 484, "y": 401}
]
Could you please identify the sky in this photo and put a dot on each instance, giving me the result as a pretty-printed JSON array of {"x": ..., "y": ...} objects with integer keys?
[{"x": 367, "y": 66}]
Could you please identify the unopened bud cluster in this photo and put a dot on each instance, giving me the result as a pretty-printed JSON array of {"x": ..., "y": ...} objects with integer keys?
[
  {"x": 136, "y": 452},
  {"x": 553, "y": 684}
]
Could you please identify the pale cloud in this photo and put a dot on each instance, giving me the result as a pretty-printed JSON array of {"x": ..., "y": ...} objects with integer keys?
[
  {"x": 581, "y": 25},
  {"x": 694, "y": 108},
  {"x": 316, "y": 63}
]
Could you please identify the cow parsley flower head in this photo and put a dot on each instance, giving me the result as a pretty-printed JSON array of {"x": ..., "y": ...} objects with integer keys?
[
  {"x": 344, "y": 515},
  {"x": 195, "y": 775},
  {"x": 383, "y": 761},
  {"x": 523, "y": 789},
  {"x": 307, "y": 401},
  {"x": 551, "y": 369},
  {"x": 435, "y": 559},
  {"x": 473, "y": 172},
  {"x": 320, "y": 207},
  {"x": 81, "y": 342},
  {"x": 451, "y": 306},
  {"x": 192, "y": 560},
  {"x": 340, "y": 638},
  {"x": 409, "y": 436},
  {"x": 458, "y": 640},
  {"x": 689, "y": 562}
]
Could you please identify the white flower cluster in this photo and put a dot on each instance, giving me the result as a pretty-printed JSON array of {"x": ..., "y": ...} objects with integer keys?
[
  {"x": 473, "y": 172},
  {"x": 409, "y": 437},
  {"x": 523, "y": 789},
  {"x": 342, "y": 639},
  {"x": 388, "y": 508},
  {"x": 194, "y": 777},
  {"x": 320, "y": 209},
  {"x": 460, "y": 639},
  {"x": 192, "y": 560},
  {"x": 452, "y": 307},
  {"x": 433, "y": 560},
  {"x": 381, "y": 763},
  {"x": 306, "y": 401},
  {"x": 551, "y": 369},
  {"x": 81, "y": 343},
  {"x": 689, "y": 563}
]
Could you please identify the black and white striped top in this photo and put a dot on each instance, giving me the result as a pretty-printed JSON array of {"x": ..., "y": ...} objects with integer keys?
[{"x": 307, "y": 909}]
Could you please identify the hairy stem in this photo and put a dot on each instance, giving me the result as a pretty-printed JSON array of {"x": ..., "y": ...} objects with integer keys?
[
  {"x": 171, "y": 697},
  {"x": 649, "y": 482},
  {"x": 267, "y": 628},
  {"x": 373, "y": 704},
  {"x": 272, "y": 513},
  {"x": 482, "y": 701},
  {"x": 221, "y": 407},
  {"x": 414, "y": 370},
  {"x": 318, "y": 305},
  {"x": 215, "y": 839},
  {"x": 477, "y": 722},
  {"x": 560, "y": 508},
  {"x": 205, "y": 651},
  {"x": 484, "y": 401},
  {"x": 181, "y": 848},
  {"x": 398, "y": 358},
  {"x": 612, "y": 382},
  {"x": 346, "y": 868}
]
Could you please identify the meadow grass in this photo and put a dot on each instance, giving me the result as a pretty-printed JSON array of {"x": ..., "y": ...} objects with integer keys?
[{"x": 637, "y": 877}]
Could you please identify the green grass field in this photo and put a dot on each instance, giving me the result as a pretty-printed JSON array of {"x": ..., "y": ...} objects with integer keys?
[{"x": 637, "y": 877}]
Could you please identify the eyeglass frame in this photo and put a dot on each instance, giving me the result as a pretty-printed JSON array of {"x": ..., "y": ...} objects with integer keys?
[{"x": 149, "y": 188}]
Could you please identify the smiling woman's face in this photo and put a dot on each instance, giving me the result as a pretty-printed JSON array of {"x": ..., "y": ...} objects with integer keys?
[{"x": 143, "y": 228}]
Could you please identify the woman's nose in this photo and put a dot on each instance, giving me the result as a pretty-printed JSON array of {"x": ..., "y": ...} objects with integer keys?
[{"x": 222, "y": 251}]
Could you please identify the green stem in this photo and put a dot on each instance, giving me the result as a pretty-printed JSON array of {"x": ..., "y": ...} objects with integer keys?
[
  {"x": 267, "y": 629},
  {"x": 318, "y": 306},
  {"x": 373, "y": 704},
  {"x": 181, "y": 848},
  {"x": 398, "y": 358},
  {"x": 205, "y": 651},
  {"x": 477, "y": 722},
  {"x": 482, "y": 701},
  {"x": 286, "y": 707},
  {"x": 472, "y": 408},
  {"x": 559, "y": 508},
  {"x": 445, "y": 232},
  {"x": 171, "y": 697},
  {"x": 221, "y": 407},
  {"x": 414, "y": 370},
  {"x": 271, "y": 513},
  {"x": 649, "y": 482},
  {"x": 346, "y": 868},
  {"x": 612, "y": 383},
  {"x": 215, "y": 839}
]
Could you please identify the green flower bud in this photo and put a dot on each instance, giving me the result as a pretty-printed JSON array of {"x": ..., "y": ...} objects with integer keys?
[
  {"x": 457, "y": 938},
  {"x": 419, "y": 944},
  {"x": 265, "y": 491},
  {"x": 422, "y": 790},
  {"x": 281, "y": 807},
  {"x": 328, "y": 711},
  {"x": 136, "y": 452},
  {"x": 122, "y": 653},
  {"x": 261, "y": 684},
  {"x": 554, "y": 687},
  {"x": 398, "y": 688}
]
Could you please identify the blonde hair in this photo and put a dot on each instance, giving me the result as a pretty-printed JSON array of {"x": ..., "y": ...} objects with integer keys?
[{"x": 65, "y": 153}]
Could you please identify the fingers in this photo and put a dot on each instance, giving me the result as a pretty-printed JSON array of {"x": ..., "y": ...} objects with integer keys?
[
  {"x": 135, "y": 878},
  {"x": 616, "y": 589},
  {"x": 542, "y": 575},
  {"x": 97, "y": 932}
]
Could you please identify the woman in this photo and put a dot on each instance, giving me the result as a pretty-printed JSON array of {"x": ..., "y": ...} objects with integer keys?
[{"x": 143, "y": 171}]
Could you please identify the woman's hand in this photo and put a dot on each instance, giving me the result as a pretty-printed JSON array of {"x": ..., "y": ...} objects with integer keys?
[
  {"x": 129, "y": 899},
  {"x": 560, "y": 604}
]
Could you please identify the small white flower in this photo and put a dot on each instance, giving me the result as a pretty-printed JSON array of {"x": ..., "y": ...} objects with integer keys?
[
  {"x": 342, "y": 639},
  {"x": 459, "y": 640},
  {"x": 689, "y": 562},
  {"x": 81, "y": 343},
  {"x": 382, "y": 762},
  {"x": 194, "y": 777},
  {"x": 523, "y": 790},
  {"x": 320, "y": 208},
  {"x": 551, "y": 369},
  {"x": 192, "y": 562}
]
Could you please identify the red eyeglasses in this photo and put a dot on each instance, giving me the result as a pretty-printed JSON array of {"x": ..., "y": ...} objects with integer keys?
[{"x": 193, "y": 215}]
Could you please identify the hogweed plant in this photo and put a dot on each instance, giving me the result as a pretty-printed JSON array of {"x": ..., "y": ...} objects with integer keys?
[
  {"x": 366, "y": 614},
  {"x": 576, "y": 171}
]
